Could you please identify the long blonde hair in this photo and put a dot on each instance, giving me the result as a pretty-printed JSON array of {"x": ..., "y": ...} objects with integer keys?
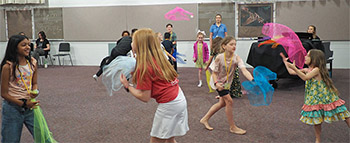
[
  {"x": 149, "y": 53},
  {"x": 318, "y": 60}
]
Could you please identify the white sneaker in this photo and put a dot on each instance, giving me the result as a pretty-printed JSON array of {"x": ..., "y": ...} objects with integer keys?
[
  {"x": 200, "y": 84},
  {"x": 45, "y": 66},
  {"x": 95, "y": 77}
]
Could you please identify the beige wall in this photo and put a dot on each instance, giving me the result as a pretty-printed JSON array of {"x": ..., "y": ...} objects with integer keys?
[
  {"x": 2, "y": 26},
  {"x": 331, "y": 17}
]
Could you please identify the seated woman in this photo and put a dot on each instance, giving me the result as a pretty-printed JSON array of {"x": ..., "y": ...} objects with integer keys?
[
  {"x": 316, "y": 41},
  {"x": 312, "y": 29},
  {"x": 41, "y": 47}
]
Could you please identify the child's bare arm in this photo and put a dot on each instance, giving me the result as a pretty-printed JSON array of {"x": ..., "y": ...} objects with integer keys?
[
  {"x": 290, "y": 70},
  {"x": 215, "y": 74},
  {"x": 143, "y": 95},
  {"x": 34, "y": 82},
  {"x": 217, "y": 84},
  {"x": 308, "y": 75},
  {"x": 209, "y": 62},
  {"x": 5, "y": 79},
  {"x": 247, "y": 74},
  {"x": 244, "y": 70},
  {"x": 287, "y": 65}
]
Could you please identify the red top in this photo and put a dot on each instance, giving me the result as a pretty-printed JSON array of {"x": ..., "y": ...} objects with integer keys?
[{"x": 161, "y": 90}]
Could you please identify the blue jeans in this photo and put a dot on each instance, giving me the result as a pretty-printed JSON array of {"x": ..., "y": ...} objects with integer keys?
[{"x": 13, "y": 117}]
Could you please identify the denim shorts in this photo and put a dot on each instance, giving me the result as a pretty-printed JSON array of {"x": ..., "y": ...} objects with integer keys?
[{"x": 13, "y": 118}]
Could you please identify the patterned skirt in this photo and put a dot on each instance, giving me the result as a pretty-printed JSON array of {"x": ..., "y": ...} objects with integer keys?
[
  {"x": 235, "y": 89},
  {"x": 321, "y": 104}
]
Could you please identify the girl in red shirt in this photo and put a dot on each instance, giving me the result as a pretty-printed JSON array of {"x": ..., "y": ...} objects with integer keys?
[{"x": 156, "y": 78}]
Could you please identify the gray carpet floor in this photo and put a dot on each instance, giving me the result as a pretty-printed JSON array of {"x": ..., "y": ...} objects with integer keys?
[{"x": 79, "y": 110}]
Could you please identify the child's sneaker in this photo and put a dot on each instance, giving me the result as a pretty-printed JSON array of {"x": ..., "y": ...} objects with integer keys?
[
  {"x": 45, "y": 63},
  {"x": 200, "y": 84},
  {"x": 95, "y": 77}
]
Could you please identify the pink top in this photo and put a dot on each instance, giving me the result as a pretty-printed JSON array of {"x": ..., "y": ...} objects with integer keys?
[
  {"x": 205, "y": 51},
  {"x": 17, "y": 88},
  {"x": 220, "y": 68}
]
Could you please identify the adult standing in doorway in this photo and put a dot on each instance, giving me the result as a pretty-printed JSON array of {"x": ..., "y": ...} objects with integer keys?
[
  {"x": 173, "y": 39},
  {"x": 218, "y": 29}
]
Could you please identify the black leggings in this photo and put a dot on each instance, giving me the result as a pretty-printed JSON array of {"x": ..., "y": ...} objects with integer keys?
[{"x": 106, "y": 61}]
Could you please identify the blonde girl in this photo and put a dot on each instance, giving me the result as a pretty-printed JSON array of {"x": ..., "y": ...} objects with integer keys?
[
  {"x": 155, "y": 78},
  {"x": 225, "y": 64},
  {"x": 200, "y": 55},
  {"x": 321, "y": 103}
]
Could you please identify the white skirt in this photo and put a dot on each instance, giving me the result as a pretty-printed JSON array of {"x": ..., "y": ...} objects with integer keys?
[{"x": 171, "y": 119}]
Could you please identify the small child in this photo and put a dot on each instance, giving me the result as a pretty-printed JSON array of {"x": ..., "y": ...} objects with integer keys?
[
  {"x": 235, "y": 89},
  {"x": 321, "y": 103},
  {"x": 122, "y": 48},
  {"x": 200, "y": 55},
  {"x": 215, "y": 50},
  {"x": 168, "y": 45},
  {"x": 225, "y": 65},
  {"x": 18, "y": 80},
  {"x": 166, "y": 54}
]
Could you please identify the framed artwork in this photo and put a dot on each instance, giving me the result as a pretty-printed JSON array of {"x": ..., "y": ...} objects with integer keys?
[{"x": 251, "y": 18}]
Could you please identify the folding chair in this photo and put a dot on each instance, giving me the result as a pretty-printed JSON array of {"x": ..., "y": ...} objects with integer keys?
[{"x": 63, "y": 50}]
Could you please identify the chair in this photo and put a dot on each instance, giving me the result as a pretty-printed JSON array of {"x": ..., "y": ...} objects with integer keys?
[
  {"x": 63, "y": 50},
  {"x": 328, "y": 56},
  {"x": 41, "y": 56}
]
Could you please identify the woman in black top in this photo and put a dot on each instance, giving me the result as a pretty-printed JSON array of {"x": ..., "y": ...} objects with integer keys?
[
  {"x": 315, "y": 40},
  {"x": 41, "y": 47},
  {"x": 312, "y": 29}
]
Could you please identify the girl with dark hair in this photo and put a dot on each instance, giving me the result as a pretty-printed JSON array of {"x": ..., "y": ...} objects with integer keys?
[
  {"x": 41, "y": 47},
  {"x": 125, "y": 33},
  {"x": 18, "y": 78},
  {"x": 173, "y": 39}
]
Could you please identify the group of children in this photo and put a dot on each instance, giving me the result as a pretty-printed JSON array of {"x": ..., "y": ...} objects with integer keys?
[
  {"x": 155, "y": 77},
  {"x": 321, "y": 104}
]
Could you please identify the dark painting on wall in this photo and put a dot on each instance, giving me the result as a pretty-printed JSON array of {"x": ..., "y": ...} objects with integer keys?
[
  {"x": 255, "y": 15},
  {"x": 252, "y": 17}
]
